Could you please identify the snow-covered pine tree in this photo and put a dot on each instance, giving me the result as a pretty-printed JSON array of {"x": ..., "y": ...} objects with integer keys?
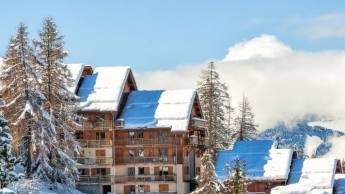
[
  {"x": 246, "y": 129},
  {"x": 236, "y": 182},
  {"x": 207, "y": 180},
  {"x": 60, "y": 102},
  {"x": 21, "y": 96},
  {"x": 7, "y": 159},
  {"x": 214, "y": 100}
]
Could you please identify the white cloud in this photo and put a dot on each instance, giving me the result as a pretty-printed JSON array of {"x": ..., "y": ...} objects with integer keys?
[
  {"x": 264, "y": 46},
  {"x": 330, "y": 25},
  {"x": 282, "y": 84}
]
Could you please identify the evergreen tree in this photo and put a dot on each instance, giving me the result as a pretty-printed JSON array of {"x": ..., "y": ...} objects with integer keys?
[
  {"x": 60, "y": 102},
  {"x": 7, "y": 159},
  {"x": 21, "y": 96},
  {"x": 207, "y": 180},
  {"x": 236, "y": 182},
  {"x": 214, "y": 100},
  {"x": 246, "y": 129}
]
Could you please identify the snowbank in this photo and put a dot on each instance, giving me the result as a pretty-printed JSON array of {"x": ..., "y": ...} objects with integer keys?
[{"x": 311, "y": 144}]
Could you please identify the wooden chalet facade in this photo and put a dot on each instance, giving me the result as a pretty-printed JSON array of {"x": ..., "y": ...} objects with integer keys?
[{"x": 124, "y": 159}]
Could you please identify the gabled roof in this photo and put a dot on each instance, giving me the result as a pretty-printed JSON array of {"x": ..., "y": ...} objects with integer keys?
[
  {"x": 158, "y": 109},
  {"x": 263, "y": 160},
  {"x": 311, "y": 175},
  {"x": 76, "y": 70},
  {"x": 102, "y": 91}
]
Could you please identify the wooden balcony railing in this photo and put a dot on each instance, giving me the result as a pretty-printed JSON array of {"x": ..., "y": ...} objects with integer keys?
[
  {"x": 94, "y": 161},
  {"x": 85, "y": 143},
  {"x": 95, "y": 179},
  {"x": 144, "y": 141},
  {"x": 144, "y": 178},
  {"x": 129, "y": 160},
  {"x": 198, "y": 123},
  {"x": 87, "y": 125}
]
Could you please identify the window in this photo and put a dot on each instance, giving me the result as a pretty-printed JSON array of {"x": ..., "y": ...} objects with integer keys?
[
  {"x": 141, "y": 153},
  {"x": 164, "y": 170},
  {"x": 131, "y": 153},
  {"x": 131, "y": 137},
  {"x": 131, "y": 171},
  {"x": 79, "y": 135},
  {"x": 132, "y": 189},
  {"x": 163, "y": 154},
  {"x": 141, "y": 188},
  {"x": 101, "y": 171},
  {"x": 100, "y": 135},
  {"x": 197, "y": 170},
  {"x": 163, "y": 136},
  {"x": 82, "y": 171},
  {"x": 141, "y": 170},
  {"x": 140, "y": 135}
]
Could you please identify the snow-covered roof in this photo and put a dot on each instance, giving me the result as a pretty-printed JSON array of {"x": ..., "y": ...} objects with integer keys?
[
  {"x": 158, "y": 108},
  {"x": 76, "y": 72},
  {"x": 263, "y": 160},
  {"x": 102, "y": 90},
  {"x": 311, "y": 175}
]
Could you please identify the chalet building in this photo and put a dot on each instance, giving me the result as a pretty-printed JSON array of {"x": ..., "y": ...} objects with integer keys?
[
  {"x": 278, "y": 171},
  {"x": 135, "y": 141}
]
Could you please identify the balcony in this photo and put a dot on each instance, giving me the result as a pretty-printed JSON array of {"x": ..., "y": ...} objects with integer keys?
[
  {"x": 94, "y": 143},
  {"x": 145, "y": 178},
  {"x": 94, "y": 161},
  {"x": 197, "y": 123},
  {"x": 104, "y": 125},
  {"x": 148, "y": 142},
  {"x": 130, "y": 160},
  {"x": 90, "y": 179}
]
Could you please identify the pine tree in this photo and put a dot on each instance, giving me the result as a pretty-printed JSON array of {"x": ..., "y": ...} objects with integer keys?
[
  {"x": 236, "y": 182},
  {"x": 207, "y": 180},
  {"x": 21, "y": 96},
  {"x": 246, "y": 129},
  {"x": 60, "y": 102},
  {"x": 214, "y": 100},
  {"x": 7, "y": 159}
]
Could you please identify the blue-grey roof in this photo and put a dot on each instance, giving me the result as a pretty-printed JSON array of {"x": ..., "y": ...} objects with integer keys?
[
  {"x": 255, "y": 153},
  {"x": 158, "y": 108},
  {"x": 296, "y": 170},
  {"x": 140, "y": 109}
]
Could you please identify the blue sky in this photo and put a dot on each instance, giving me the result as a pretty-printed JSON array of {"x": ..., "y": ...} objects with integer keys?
[{"x": 150, "y": 35}]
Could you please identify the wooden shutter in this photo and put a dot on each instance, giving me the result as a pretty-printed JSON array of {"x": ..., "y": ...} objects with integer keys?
[
  {"x": 163, "y": 187},
  {"x": 146, "y": 188},
  {"x": 147, "y": 170},
  {"x": 100, "y": 152},
  {"x": 170, "y": 170},
  {"x": 156, "y": 170}
]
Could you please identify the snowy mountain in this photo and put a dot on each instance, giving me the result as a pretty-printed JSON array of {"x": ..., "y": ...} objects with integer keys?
[{"x": 308, "y": 137}]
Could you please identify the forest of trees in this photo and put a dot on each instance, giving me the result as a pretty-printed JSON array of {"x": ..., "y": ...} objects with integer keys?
[
  {"x": 225, "y": 126},
  {"x": 40, "y": 110}
]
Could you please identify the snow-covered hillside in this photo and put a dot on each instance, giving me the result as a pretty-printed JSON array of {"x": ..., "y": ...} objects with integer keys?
[{"x": 309, "y": 138}]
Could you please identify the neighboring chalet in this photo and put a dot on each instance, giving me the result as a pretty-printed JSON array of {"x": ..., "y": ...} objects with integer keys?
[
  {"x": 278, "y": 171},
  {"x": 135, "y": 141},
  {"x": 266, "y": 166}
]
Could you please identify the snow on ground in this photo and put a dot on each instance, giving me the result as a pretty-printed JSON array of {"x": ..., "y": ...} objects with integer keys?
[
  {"x": 34, "y": 186},
  {"x": 337, "y": 150},
  {"x": 335, "y": 124},
  {"x": 311, "y": 144}
]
